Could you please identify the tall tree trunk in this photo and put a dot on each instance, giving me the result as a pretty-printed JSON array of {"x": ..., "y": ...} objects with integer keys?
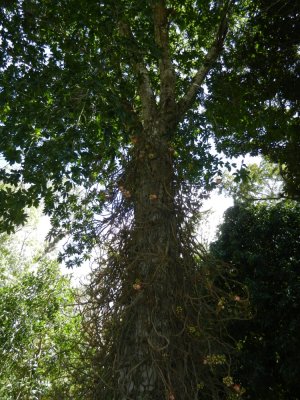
[{"x": 154, "y": 251}]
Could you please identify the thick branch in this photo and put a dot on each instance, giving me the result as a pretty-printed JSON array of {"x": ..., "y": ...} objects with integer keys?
[
  {"x": 149, "y": 109},
  {"x": 187, "y": 101},
  {"x": 167, "y": 72}
]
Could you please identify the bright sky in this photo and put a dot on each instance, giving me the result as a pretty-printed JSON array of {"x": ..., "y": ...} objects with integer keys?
[{"x": 213, "y": 210}]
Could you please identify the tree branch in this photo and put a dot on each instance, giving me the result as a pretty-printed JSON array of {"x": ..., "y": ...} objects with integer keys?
[
  {"x": 167, "y": 72},
  {"x": 149, "y": 108},
  {"x": 188, "y": 99}
]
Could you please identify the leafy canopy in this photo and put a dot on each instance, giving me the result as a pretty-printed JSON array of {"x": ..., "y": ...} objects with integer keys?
[
  {"x": 72, "y": 81},
  {"x": 253, "y": 104},
  {"x": 79, "y": 80}
]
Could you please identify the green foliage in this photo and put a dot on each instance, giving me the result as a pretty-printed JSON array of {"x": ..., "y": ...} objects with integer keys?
[
  {"x": 69, "y": 101},
  {"x": 254, "y": 94},
  {"x": 102, "y": 118},
  {"x": 262, "y": 242},
  {"x": 39, "y": 331},
  {"x": 253, "y": 182}
]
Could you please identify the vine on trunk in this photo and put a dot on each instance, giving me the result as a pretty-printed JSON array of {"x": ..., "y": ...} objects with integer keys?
[{"x": 158, "y": 305}]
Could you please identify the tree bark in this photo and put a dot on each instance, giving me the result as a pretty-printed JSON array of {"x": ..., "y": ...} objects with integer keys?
[
  {"x": 153, "y": 248},
  {"x": 150, "y": 181}
]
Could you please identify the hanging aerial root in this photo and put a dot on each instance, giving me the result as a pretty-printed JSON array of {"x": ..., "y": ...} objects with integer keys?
[
  {"x": 164, "y": 333},
  {"x": 157, "y": 308}
]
